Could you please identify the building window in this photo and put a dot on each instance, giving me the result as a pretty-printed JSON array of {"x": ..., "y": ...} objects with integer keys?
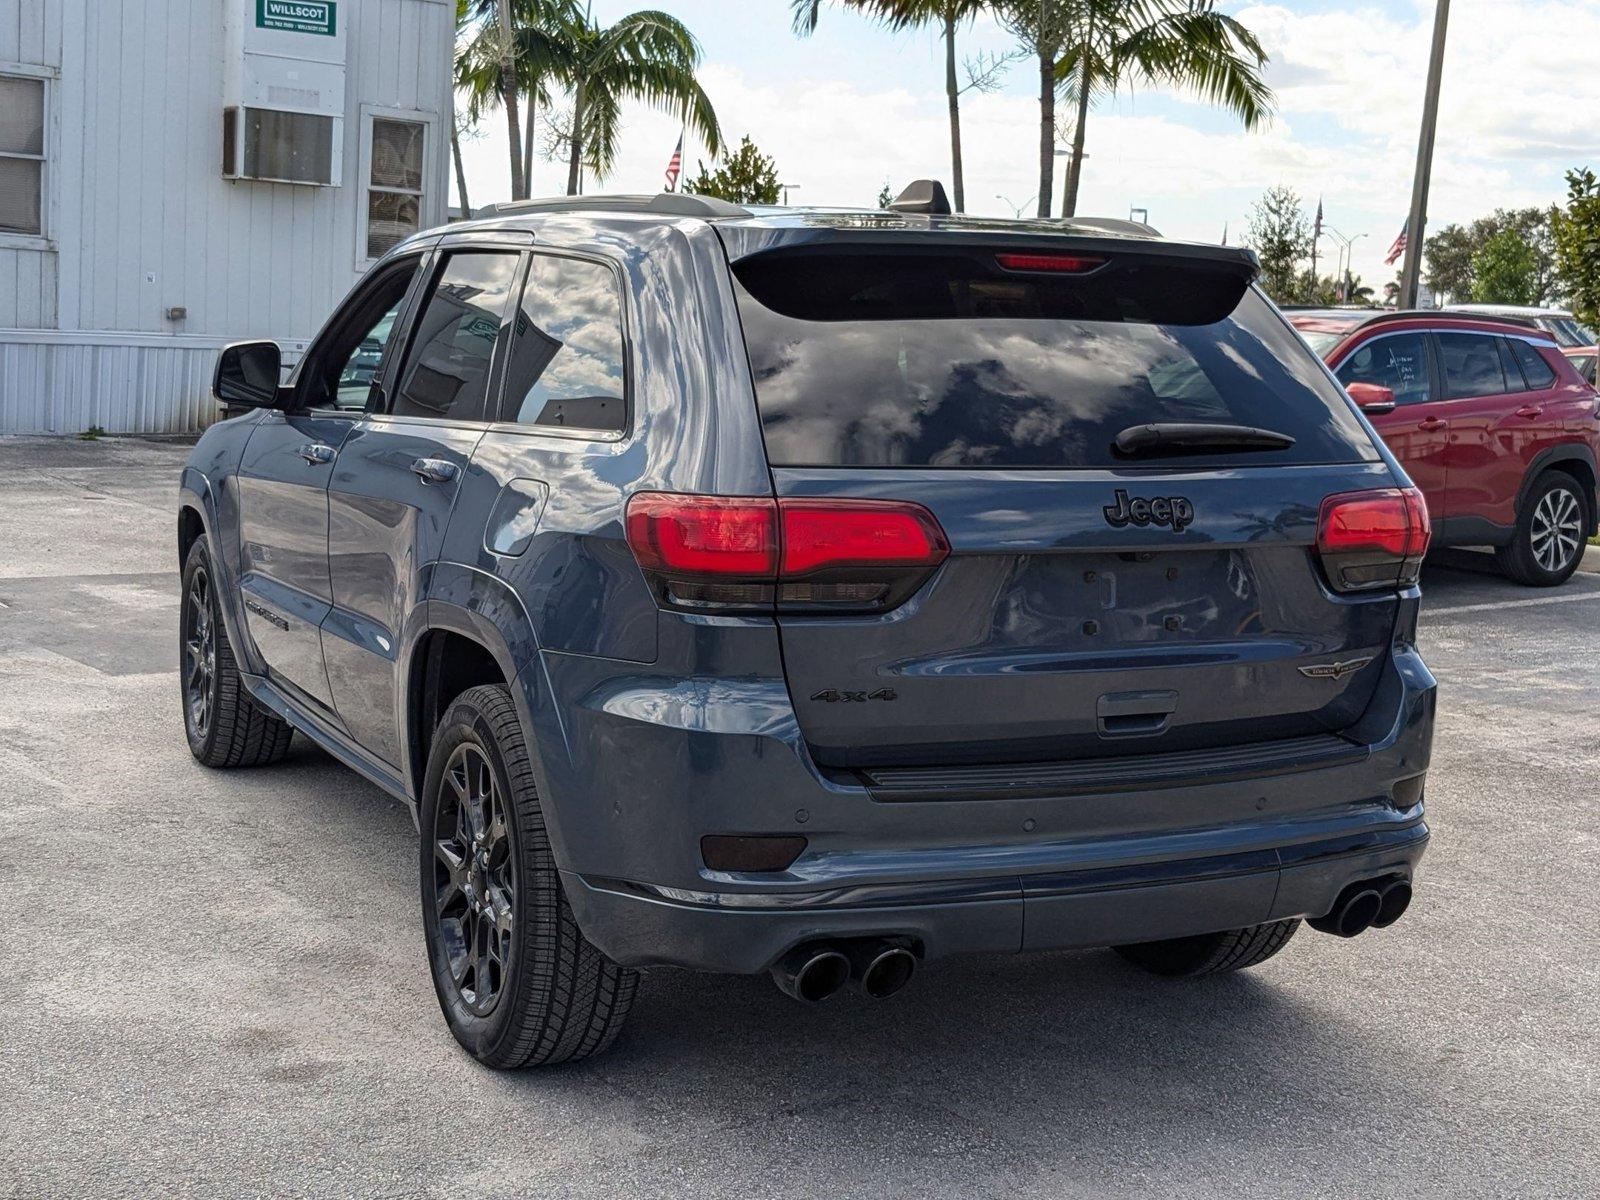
[
  {"x": 21, "y": 154},
  {"x": 394, "y": 183}
]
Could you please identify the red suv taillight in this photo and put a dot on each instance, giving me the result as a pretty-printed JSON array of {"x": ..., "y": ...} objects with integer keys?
[
  {"x": 1370, "y": 540},
  {"x": 746, "y": 552}
]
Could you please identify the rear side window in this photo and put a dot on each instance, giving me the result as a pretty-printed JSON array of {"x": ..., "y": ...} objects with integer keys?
[
  {"x": 1398, "y": 362},
  {"x": 1535, "y": 370},
  {"x": 917, "y": 360},
  {"x": 446, "y": 374},
  {"x": 566, "y": 367},
  {"x": 1471, "y": 364}
]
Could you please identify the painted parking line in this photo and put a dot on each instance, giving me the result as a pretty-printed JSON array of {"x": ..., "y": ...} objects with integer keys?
[{"x": 1496, "y": 605}]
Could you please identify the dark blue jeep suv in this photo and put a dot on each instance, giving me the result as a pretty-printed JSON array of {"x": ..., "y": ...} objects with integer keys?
[{"x": 756, "y": 589}]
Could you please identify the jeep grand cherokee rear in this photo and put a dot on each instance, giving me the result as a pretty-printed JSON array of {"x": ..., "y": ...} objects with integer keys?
[
  {"x": 1095, "y": 601},
  {"x": 821, "y": 594}
]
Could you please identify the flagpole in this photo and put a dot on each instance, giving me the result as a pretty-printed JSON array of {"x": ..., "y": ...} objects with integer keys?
[{"x": 1411, "y": 275}]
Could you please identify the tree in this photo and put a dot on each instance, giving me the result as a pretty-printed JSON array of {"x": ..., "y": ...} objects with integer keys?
[
  {"x": 1577, "y": 238},
  {"x": 1503, "y": 271},
  {"x": 539, "y": 58},
  {"x": 1447, "y": 256},
  {"x": 1449, "y": 253},
  {"x": 1281, "y": 236},
  {"x": 746, "y": 176},
  {"x": 1092, "y": 48},
  {"x": 645, "y": 55},
  {"x": 904, "y": 14},
  {"x": 885, "y": 195}
]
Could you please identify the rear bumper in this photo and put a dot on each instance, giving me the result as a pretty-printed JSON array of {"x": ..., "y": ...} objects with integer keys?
[
  {"x": 1068, "y": 860},
  {"x": 744, "y": 932}
]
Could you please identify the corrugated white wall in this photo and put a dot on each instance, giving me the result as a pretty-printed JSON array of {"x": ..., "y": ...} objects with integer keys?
[{"x": 140, "y": 219}]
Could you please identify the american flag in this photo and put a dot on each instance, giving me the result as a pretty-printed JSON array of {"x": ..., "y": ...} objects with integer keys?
[
  {"x": 1396, "y": 250},
  {"x": 674, "y": 166}
]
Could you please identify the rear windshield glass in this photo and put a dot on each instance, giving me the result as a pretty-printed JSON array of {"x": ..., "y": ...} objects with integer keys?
[{"x": 923, "y": 361}]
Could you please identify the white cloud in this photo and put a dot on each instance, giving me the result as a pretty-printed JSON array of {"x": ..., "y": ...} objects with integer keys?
[{"x": 1519, "y": 104}]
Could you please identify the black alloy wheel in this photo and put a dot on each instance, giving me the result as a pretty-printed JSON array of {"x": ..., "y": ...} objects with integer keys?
[
  {"x": 474, "y": 870},
  {"x": 199, "y": 652}
]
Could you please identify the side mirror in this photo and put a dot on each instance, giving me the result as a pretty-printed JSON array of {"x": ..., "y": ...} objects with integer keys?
[
  {"x": 248, "y": 374},
  {"x": 1372, "y": 397}
]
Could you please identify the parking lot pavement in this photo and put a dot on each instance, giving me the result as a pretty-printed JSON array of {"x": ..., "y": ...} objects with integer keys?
[{"x": 213, "y": 983}]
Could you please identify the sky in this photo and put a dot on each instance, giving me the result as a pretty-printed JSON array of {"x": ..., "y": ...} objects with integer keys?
[{"x": 854, "y": 107}]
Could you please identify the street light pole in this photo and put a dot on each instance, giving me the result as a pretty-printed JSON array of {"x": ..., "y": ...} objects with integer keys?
[{"x": 1411, "y": 276}]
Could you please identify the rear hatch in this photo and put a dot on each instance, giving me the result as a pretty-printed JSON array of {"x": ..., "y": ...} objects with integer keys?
[{"x": 1096, "y": 601}]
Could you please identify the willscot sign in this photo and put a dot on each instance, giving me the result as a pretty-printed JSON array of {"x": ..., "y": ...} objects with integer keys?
[{"x": 298, "y": 16}]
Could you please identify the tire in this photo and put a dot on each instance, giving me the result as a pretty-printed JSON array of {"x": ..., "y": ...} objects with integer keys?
[
  {"x": 518, "y": 983},
  {"x": 1549, "y": 539},
  {"x": 224, "y": 726},
  {"x": 1211, "y": 953}
]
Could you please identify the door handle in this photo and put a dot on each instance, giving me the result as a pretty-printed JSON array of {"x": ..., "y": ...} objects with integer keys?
[
  {"x": 434, "y": 470},
  {"x": 317, "y": 454},
  {"x": 1432, "y": 424},
  {"x": 1530, "y": 411}
]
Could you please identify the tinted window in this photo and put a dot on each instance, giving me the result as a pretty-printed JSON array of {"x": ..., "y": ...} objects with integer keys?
[
  {"x": 1535, "y": 370},
  {"x": 1586, "y": 366},
  {"x": 1398, "y": 362},
  {"x": 566, "y": 364},
  {"x": 447, "y": 372},
  {"x": 921, "y": 361},
  {"x": 1471, "y": 364},
  {"x": 341, "y": 367}
]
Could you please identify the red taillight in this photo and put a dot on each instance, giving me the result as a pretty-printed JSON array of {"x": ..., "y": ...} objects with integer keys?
[
  {"x": 1072, "y": 264},
  {"x": 823, "y": 534},
  {"x": 704, "y": 535},
  {"x": 1373, "y": 539},
  {"x": 748, "y": 551}
]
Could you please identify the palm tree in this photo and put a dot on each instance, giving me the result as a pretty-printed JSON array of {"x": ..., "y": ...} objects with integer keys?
[
  {"x": 647, "y": 56},
  {"x": 1093, "y": 47},
  {"x": 537, "y": 56},
  {"x": 904, "y": 14}
]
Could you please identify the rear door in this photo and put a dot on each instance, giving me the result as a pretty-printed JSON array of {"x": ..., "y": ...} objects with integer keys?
[
  {"x": 1417, "y": 431},
  {"x": 398, "y": 476},
  {"x": 1093, "y": 603}
]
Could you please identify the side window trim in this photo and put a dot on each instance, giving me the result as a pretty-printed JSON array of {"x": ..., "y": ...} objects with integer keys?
[
  {"x": 416, "y": 302},
  {"x": 1516, "y": 378},
  {"x": 506, "y": 421}
]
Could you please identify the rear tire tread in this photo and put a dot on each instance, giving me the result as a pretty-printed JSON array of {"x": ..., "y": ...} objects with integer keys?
[
  {"x": 571, "y": 1001},
  {"x": 1212, "y": 953}
]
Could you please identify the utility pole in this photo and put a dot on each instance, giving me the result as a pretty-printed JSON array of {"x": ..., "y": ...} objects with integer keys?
[{"x": 1411, "y": 276}]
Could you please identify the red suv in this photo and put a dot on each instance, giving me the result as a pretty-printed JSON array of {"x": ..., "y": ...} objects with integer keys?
[{"x": 1489, "y": 419}]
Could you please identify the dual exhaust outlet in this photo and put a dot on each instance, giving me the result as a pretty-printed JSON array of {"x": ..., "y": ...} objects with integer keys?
[
  {"x": 816, "y": 971},
  {"x": 1367, "y": 904}
]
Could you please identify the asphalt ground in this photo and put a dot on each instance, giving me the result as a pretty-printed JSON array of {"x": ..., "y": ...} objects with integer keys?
[{"x": 213, "y": 984}]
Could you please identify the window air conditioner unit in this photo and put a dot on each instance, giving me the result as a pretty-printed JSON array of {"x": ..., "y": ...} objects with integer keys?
[
  {"x": 284, "y": 91},
  {"x": 283, "y": 147}
]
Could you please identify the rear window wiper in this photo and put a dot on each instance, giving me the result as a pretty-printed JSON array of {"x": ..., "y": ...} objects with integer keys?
[{"x": 1182, "y": 437}]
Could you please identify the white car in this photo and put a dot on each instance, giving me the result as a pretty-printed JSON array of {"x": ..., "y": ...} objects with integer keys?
[{"x": 1558, "y": 322}]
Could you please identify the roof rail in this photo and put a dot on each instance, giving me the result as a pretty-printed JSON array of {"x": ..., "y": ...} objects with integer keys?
[
  {"x": 667, "y": 204},
  {"x": 1384, "y": 316}
]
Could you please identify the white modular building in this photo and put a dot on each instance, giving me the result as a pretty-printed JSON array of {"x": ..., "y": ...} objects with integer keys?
[{"x": 179, "y": 174}]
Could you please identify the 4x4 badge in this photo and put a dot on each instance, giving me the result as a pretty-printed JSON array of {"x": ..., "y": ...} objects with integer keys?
[
  {"x": 1175, "y": 511},
  {"x": 1335, "y": 670}
]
